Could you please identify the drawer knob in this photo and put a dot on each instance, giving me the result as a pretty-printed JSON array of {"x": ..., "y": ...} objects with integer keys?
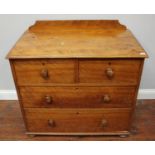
[
  {"x": 44, "y": 74},
  {"x": 104, "y": 123},
  {"x": 106, "y": 99},
  {"x": 48, "y": 99},
  {"x": 51, "y": 123},
  {"x": 109, "y": 73}
]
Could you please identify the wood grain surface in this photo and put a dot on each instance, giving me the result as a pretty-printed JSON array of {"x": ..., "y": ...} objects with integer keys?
[
  {"x": 77, "y": 97},
  {"x": 12, "y": 126},
  {"x": 69, "y": 71},
  {"x": 59, "y": 71},
  {"x": 78, "y": 77},
  {"x": 77, "y": 121},
  {"x": 77, "y": 39},
  {"x": 125, "y": 71}
]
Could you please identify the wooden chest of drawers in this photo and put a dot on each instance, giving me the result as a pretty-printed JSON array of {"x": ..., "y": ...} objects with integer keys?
[{"x": 77, "y": 77}]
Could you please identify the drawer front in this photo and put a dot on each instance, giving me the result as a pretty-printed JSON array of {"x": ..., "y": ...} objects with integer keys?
[
  {"x": 77, "y": 97},
  {"x": 77, "y": 121},
  {"x": 109, "y": 71},
  {"x": 44, "y": 71}
]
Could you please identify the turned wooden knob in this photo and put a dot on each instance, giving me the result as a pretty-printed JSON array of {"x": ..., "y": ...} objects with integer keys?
[
  {"x": 109, "y": 73},
  {"x": 44, "y": 74},
  {"x": 48, "y": 99},
  {"x": 51, "y": 123},
  {"x": 106, "y": 98},
  {"x": 104, "y": 123}
]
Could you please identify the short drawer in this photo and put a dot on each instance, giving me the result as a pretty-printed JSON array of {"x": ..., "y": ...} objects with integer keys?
[
  {"x": 77, "y": 121},
  {"x": 44, "y": 71},
  {"x": 77, "y": 97},
  {"x": 109, "y": 71}
]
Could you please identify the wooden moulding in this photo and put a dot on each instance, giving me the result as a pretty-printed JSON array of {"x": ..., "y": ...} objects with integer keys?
[
  {"x": 120, "y": 133},
  {"x": 104, "y": 24}
]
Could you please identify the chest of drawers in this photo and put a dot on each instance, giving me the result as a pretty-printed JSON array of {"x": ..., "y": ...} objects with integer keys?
[{"x": 77, "y": 77}]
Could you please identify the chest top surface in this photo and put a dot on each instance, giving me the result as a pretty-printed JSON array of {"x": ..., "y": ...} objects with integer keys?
[{"x": 77, "y": 39}]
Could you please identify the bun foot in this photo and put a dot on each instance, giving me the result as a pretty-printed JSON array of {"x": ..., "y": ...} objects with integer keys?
[
  {"x": 31, "y": 136},
  {"x": 123, "y": 136},
  {"x": 134, "y": 131}
]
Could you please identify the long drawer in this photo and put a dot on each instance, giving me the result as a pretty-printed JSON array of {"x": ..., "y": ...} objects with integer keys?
[
  {"x": 77, "y": 121},
  {"x": 77, "y": 97}
]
